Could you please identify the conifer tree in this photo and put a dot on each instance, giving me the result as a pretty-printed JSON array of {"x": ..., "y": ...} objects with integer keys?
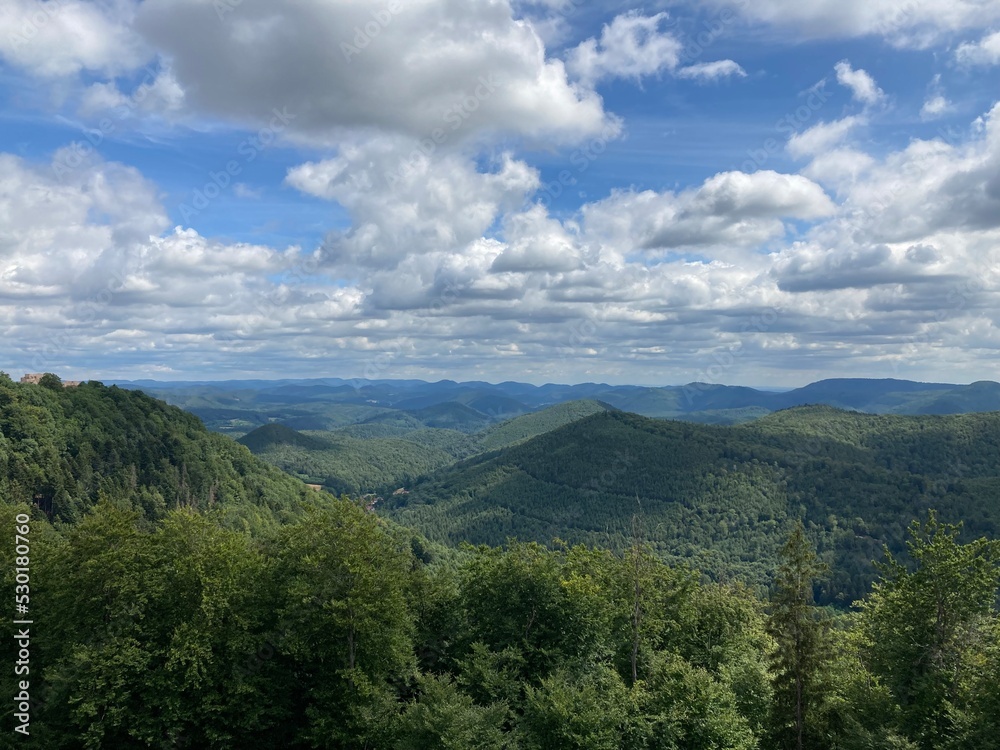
[{"x": 801, "y": 642}]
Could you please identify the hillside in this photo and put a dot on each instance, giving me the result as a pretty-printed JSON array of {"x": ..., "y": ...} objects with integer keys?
[
  {"x": 275, "y": 435},
  {"x": 267, "y": 620},
  {"x": 722, "y": 498},
  {"x": 344, "y": 464},
  {"x": 531, "y": 425},
  {"x": 64, "y": 449},
  {"x": 395, "y": 448}
]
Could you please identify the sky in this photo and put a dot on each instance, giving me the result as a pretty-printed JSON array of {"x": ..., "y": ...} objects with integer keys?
[{"x": 756, "y": 192}]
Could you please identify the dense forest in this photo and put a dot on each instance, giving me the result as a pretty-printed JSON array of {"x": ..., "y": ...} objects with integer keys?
[
  {"x": 64, "y": 449},
  {"x": 186, "y": 595},
  {"x": 392, "y": 449},
  {"x": 722, "y": 499},
  {"x": 340, "y": 631}
]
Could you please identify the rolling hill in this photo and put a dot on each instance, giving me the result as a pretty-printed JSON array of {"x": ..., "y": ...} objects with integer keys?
[
  {"x": 722, "y": 498},
  {"x": 537, "y": 423}
]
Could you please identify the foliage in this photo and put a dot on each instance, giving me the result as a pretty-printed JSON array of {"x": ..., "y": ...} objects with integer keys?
[
  {"x": 930, "y": 631},
  {"x": 801, "y": 652},
  {"x": 723, "y": 499},
  {"x": 186, "y": 596},
  {"x": 64, "y": 450}
]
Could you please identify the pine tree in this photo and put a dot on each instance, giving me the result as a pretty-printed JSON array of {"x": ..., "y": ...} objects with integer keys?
[{"x": 801, "y": 642}]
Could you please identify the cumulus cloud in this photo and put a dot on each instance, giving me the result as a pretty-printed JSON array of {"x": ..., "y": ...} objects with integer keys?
[
  {"x": 53, "y": 39},
  {"x": 412, "y": 68},
  {"x": 862, "y": 85},
  {"x": 733, "y": 210},
  {"x": 984, "y": 52},
  {"x": 536, "y": 242},
  {"x": 454, "y": 269},
  {"x": 35, "y": 250},
  {"x": 631, "y": 46},
  {"x": 839, "y": 167},
  {"x": 404, "y": 199},
  {"x": 712, "y": 71},
  {"x": 109, "y": 279},
  {"x": 934, "y": 186}
]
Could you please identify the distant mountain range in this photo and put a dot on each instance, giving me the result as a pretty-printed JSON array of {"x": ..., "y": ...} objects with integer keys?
[{"x": 238, "y": 406}]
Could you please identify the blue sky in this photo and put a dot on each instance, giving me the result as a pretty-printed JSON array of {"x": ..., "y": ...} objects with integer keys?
[{"x": 764, "y": 193}]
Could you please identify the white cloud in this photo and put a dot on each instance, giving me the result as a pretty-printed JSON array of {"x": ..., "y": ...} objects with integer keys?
[
  {"x": 415, "y": 68},
  {"x": 631, "y": 46},
  {"x": 862, "y": 85},
  {"x": 838, "y": 167},
  {"x": 712, "y": 71},
  {"x": 934, "y": 186},
  {"x": 536, "y": 242},
  {"x": 242, "y": 190},
  {"x": 903, "y": 23},
  {"x": 935, "y": 106},
  {"x": 822, "y": 137},
  {"x": 404, "y": 199},
  {"x": 984, "y": 52},
  {"x": 160, "y": 94},
  {"x": 450, "y": 271},
  {"x": 63, "y": 38},
  {"x": 732, "y": 211}
]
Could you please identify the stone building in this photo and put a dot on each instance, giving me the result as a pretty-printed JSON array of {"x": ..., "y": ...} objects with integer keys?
[{"x": 34, "y": 378}]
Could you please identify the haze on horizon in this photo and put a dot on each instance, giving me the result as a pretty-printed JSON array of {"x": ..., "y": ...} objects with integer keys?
[{"x": 767, "y": 193}]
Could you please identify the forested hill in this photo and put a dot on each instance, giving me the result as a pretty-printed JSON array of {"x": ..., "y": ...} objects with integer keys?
[
  {"x": 63, "y": 449},
  {"x": 723, "y": 498},
  {"x": 267, "y": 622}
]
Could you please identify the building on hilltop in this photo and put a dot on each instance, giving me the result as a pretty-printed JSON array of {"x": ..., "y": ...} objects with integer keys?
[{"x": 34, "y": 378}]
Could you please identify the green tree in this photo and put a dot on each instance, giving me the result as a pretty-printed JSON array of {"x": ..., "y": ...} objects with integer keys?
[
  {"x": 529, "y": 599},
  {"x": 444, "y": 718},
  {"x": 344, "y": 578},
  {"x": 928, "y": 629},
  {"x": 577, "y": 710},
  {"x": 50, "y": 381},
  {"x": 801, "y": 642},
  {"x": 150, "y": 626},
  {"x": 683, "y": 707}
]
